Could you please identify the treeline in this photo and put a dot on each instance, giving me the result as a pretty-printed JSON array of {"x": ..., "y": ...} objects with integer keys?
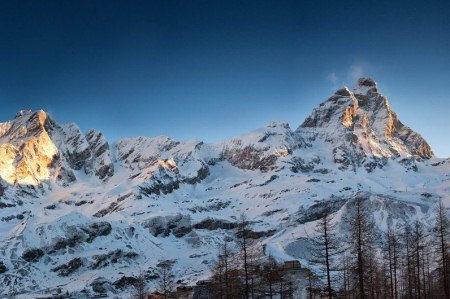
[
  {"x": 407, "y": 261},
  {"x": 353, "y": 261},
  {"x": 241, "y": 270}
]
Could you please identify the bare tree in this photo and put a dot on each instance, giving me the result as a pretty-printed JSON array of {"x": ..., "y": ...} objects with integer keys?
[
  {"x": 243, "y": 234},
  {"x": 141, "y": 291},
  {"x": 273, "y": 280},
  {"x": 391, "y": 249},
  {"x": 166, "y": 278},
  {"x": 325, "y": 247},
  {"x": 442, "y": 228},
  {"x": 223, "y": 272},
  {"x": 345, "y": 275},
  {"x": 408, "y": 269},
  {"x": 270, "y": 277},
  {"x": 360, "y": 241},
  {"x": 313, "y": 285},
  {"x": 418, "y": 239}
]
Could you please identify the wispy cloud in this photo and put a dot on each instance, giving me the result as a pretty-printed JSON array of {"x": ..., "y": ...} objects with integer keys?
[
  {"x": 347, "y": 76},
  {"x": 355, "y": 72},
  {"x": 332, "y": 77}
]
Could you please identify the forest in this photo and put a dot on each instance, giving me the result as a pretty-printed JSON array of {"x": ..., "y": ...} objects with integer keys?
[{"x": 408, "y": 260}]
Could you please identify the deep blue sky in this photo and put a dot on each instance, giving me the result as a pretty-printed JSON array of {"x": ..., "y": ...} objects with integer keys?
[{"x": 211, "y": 70}]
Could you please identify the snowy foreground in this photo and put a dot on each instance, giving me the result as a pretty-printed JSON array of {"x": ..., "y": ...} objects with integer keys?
[{"x": 76, "y": 210}]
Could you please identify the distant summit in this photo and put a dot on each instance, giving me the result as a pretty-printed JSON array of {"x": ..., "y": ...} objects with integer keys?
[{"x": 361, "y": 124}]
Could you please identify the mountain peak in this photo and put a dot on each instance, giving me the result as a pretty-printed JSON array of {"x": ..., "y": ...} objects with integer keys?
[
  {"x": 363, "y": 121},
  {"x": 364, "y": 85}
]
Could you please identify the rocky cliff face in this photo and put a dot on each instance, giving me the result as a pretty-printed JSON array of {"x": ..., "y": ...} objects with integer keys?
[
  {"x": 26, "y": 150},
  {"x": 77, "y": 212},
  {"x": 362, "y": 128},
  {"x": 101, "y": 163},
  {"x": 34, "y": 149}
]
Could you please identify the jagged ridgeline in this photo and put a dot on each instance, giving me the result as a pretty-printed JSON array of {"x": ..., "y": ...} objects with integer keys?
[{"x": 79, "y": 213}]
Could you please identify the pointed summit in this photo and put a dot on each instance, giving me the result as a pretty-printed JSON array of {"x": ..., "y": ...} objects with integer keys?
[
  {"x": 364, "y": 85},
  {"x": 25, "y": 124},
  {"x": 35, "y": 148},
  {"x": 361, "y": 124}
]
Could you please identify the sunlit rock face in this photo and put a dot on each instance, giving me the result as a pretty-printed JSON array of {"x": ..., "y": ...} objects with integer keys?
[
  {"x": 26, "y": 150},
  {"x": 34, "y": 148},
  {"x": 360, "y": 124}
]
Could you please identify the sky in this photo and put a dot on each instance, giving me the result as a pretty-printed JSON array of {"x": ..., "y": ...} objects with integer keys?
[{"x": 212, "y": 70}]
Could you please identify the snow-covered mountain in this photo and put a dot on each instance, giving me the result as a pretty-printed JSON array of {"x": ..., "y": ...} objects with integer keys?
[{"x": 79, "y": 213}]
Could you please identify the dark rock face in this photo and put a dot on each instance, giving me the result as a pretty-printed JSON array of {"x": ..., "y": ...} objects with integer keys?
[
  {"x": 250, "y": 158},
  {"x": 101, "y": 285},
  {"x": 101, "y": 164},
  {"x": 202, "y": 173},
  {"x": 113, "y": 207},
  {"x": 216, "y": 206},
  {"x": 77, "y": 160},
  {"x": 105, "y": 171},
  {"x": 80, "y": 235},
  {"x": 103, "y": 260},
  {"x": 213, "y": 224},
  {"x": 309, "y": 122},
  {"x": 32, "y": 255},
  {"x": 97, "y": 229},
  {"x": 126, "y": 281},
  {"x": 63, "y": 243},
  {"x": 2, "y": 189},
  {"x": 348, "y": 157},
  {"x": 259, "y": 234},
  {"x": 179, "y": 225},
  {"x": 332, "y": 112},
  {"x": 300, "y": 165},
  {"x": 409, "y": 163},
  {"x": 110, "y": 209},
  {"x": 317, "y": 210},
  {"x": 3, "y": 268},
  {"x": 163, "y": 181},
  {"x": 33, "y": 125},
  {"x": 97, "y": 143},
  {"x": 343, "y": 92},
  {"x": 375, "y": 163},
  {"x": 369, "y": 82},
  {"x": 90, "y": 152},
  {"x": 69, "y": 268},
  {"x": 65, "y": 176},
  {"x": 71, "y": 144}
]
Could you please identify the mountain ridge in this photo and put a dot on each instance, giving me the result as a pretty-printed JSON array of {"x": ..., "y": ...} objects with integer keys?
[{"x": 362, "y": 118}]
